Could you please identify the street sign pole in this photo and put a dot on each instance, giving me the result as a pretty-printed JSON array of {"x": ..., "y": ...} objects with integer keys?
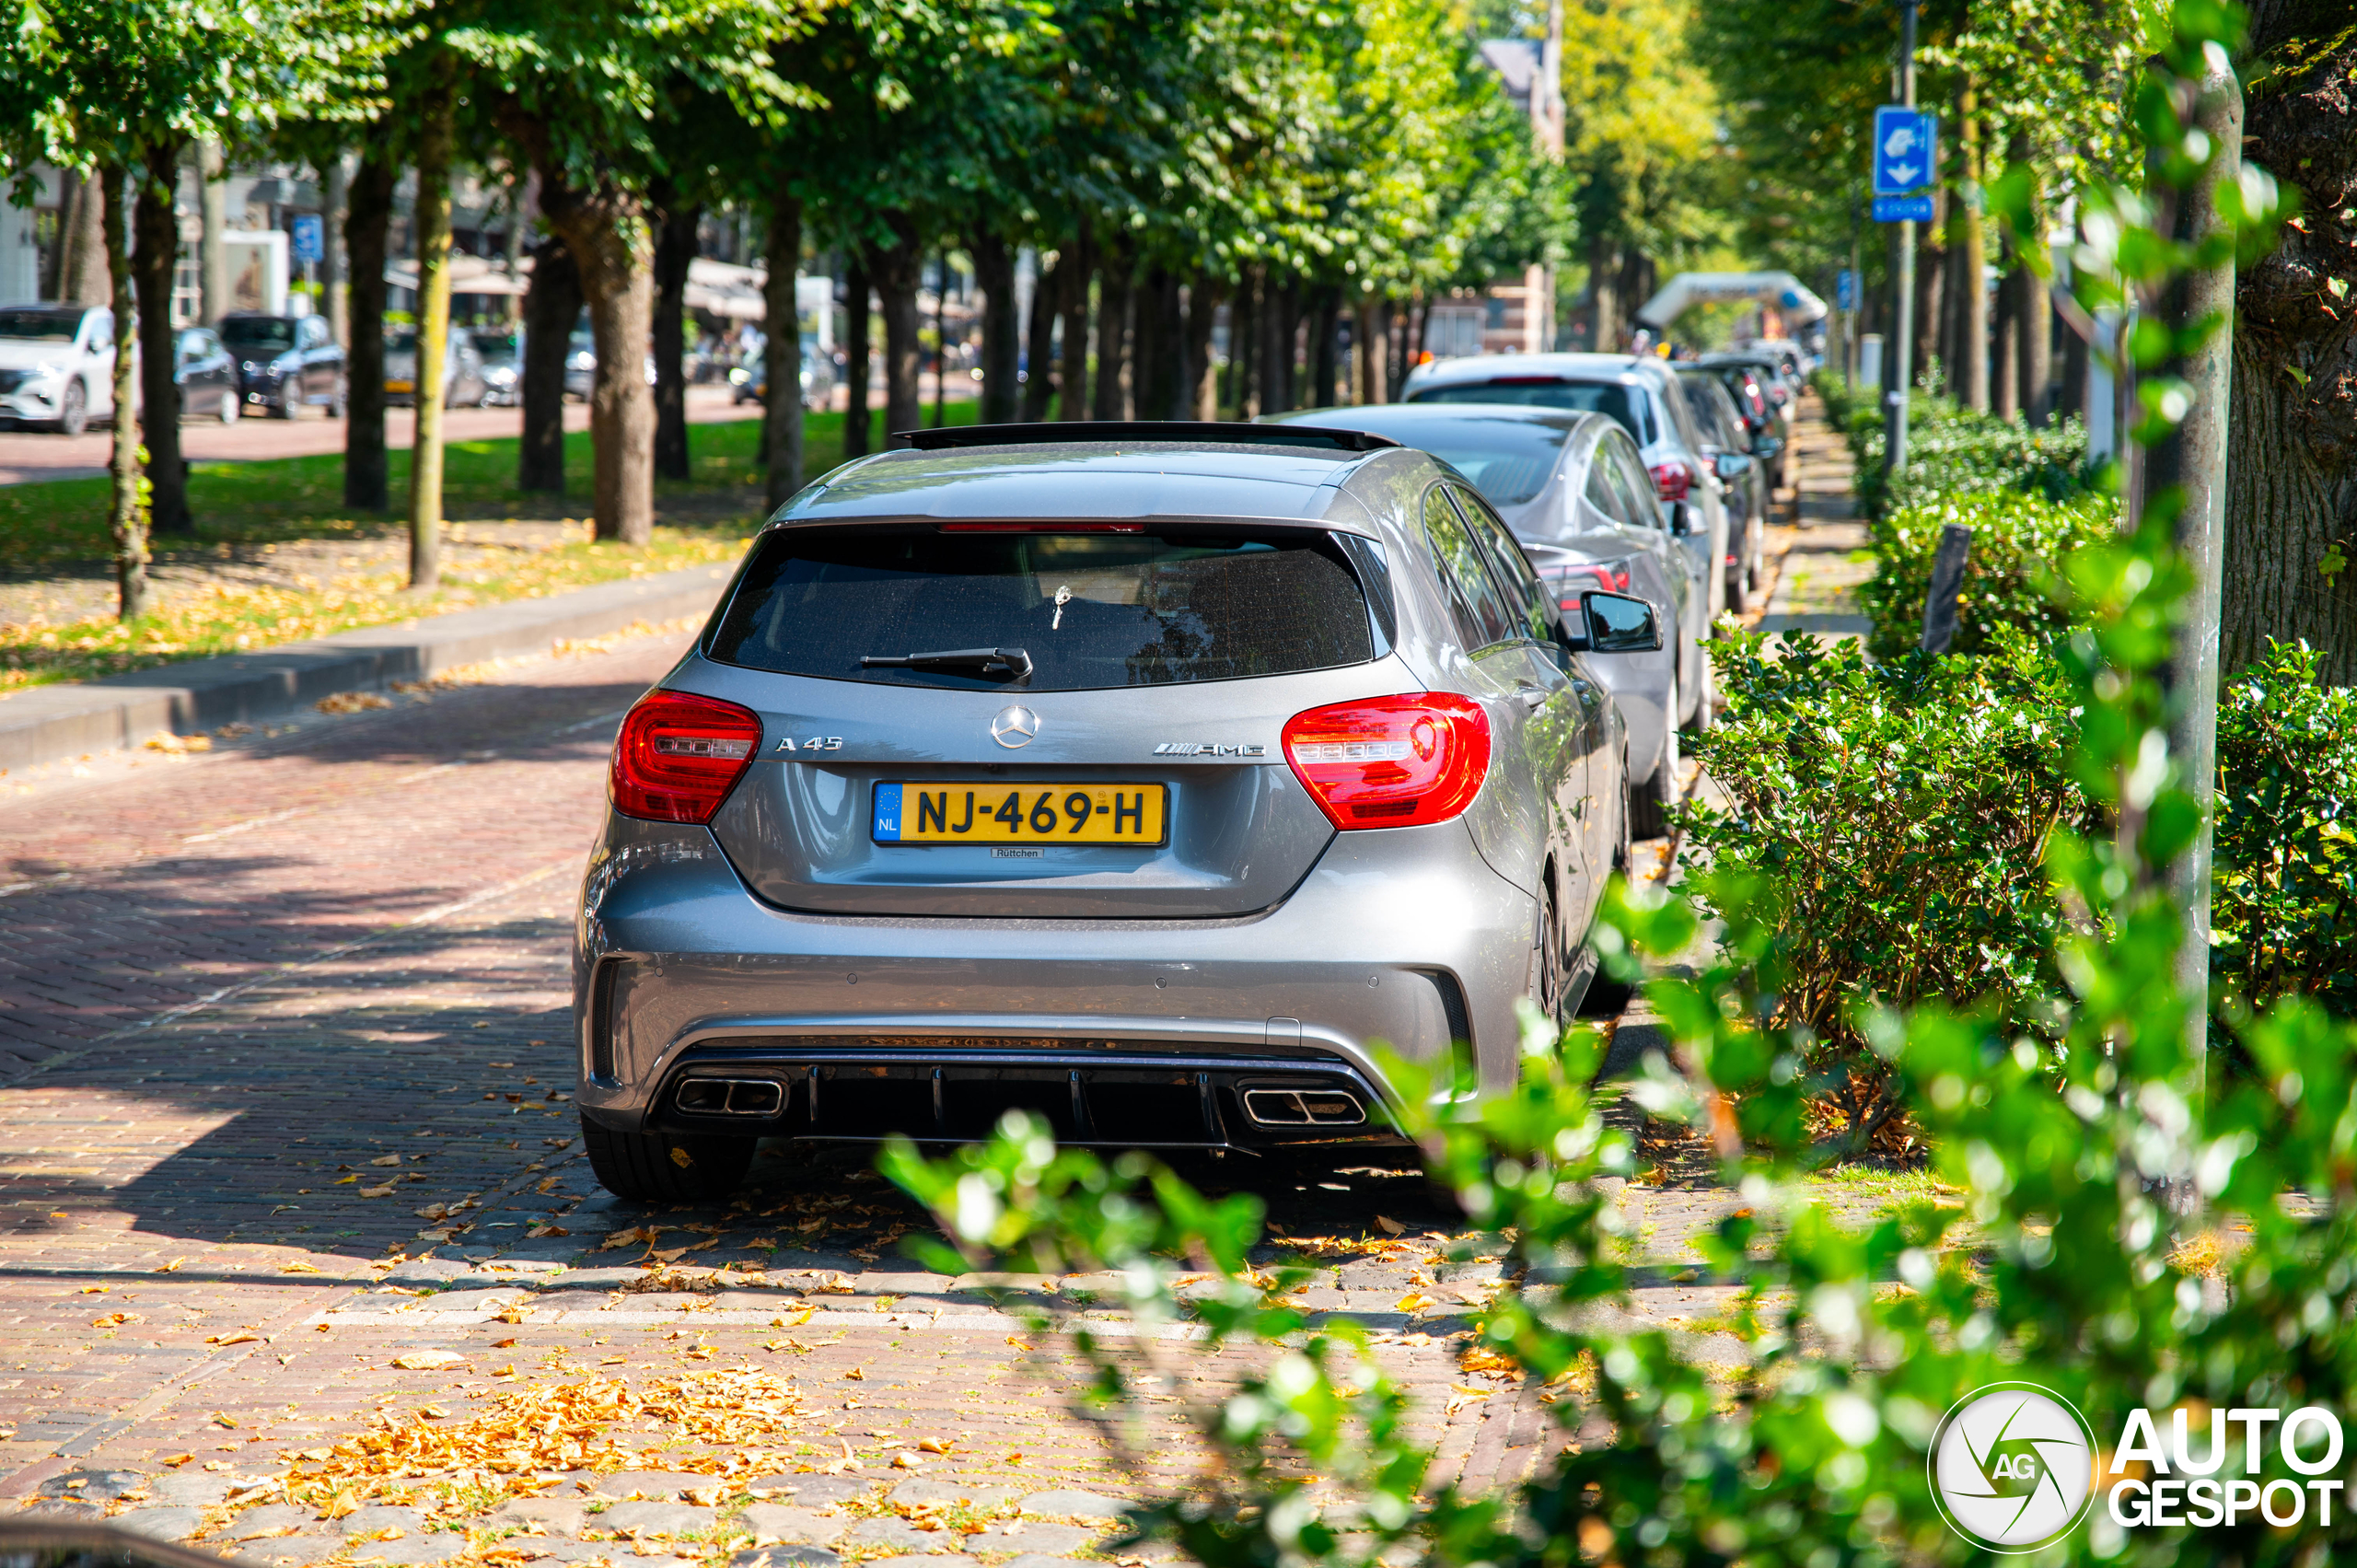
[{"x": 1895, "y": 423}]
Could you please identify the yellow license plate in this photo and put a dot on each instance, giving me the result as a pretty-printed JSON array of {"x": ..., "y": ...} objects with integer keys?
[
  {"x": 1021, "y": 814},
  {"x": 399, "y": 387}
]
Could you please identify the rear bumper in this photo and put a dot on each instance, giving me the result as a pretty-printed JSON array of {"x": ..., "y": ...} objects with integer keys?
[
  {"x": 849, "y": 1089},
  {"x": 1401, "y": 938}
]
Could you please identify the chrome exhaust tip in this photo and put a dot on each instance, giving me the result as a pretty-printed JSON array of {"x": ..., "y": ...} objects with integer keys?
[
  {"x": 1303, "y": 1108},
  {"x": 731, "y": 1096}
]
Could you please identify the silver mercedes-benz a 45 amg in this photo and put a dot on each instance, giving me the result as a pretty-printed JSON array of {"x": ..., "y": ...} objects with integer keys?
[{"x": 1149, "y": 777}]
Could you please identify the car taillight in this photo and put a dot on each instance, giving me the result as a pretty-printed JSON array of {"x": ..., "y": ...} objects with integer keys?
[
  {"x": 1391, "y": 762},
  {"x": 1673, "y": 480},
  {"x": 677, "y": 756},
  {"x": 1585, "y": 577}
]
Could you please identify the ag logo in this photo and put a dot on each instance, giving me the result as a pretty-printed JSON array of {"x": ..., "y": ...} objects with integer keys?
[{"x": 2013, "y": 1467}]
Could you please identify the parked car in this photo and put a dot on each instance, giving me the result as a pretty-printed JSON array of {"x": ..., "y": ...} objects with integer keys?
[
  {"x": 1573, "y": 491},
  {"x": 463, "y": 379},
  {"x": 1727, "y": 446},
  {"x": 1763, "y": 416},
  {"x": 751, "y": 381},
  {"x": 285, "y": 362},
  {"x": 56, "y": 366},
  {"x": 206, "y": 375},
  {"x": 581, "y": 365},
  {"x": 1144, "y": 778},
  {"x": 502, "y": 367},
  {"x": 1642, "y": 393}
]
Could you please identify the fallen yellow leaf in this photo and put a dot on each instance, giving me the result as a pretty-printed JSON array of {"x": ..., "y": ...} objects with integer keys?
[
  {"x": 95, "y": 1290},
  {"x": 113, "y": 1319},
  {"x": 239, "y": 1338},
  {"x": 428, "y": 1360},
  {"x": 168, "y": 1267},
  {"x": 299, "y": 1269},
  {"x": 1391, "y": 1226},
  {"x": 386, "y": 1159},
  {"x": 1413, "y": 1303}
]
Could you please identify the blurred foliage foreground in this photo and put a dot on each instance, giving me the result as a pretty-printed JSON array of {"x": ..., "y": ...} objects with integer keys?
[
  {"x": 2164, "y": 1259},
  {"x": 2163, "y": 1250}
]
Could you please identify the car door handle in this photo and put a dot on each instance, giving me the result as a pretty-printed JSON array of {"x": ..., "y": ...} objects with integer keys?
[{"x": 1532, "y": 696}]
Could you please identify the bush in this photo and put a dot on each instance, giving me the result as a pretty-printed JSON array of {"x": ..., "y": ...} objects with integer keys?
[
  {"x": 1889, "y": 821},
  {"x": 1952, "y": 450},
  {"x": 2018, "y": 542},
  {"x": 2284, "y": 912}
]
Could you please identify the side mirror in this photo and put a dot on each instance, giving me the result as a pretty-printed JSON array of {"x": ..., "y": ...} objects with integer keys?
[
  {"x": 1732, "y": 466},
  {"x": 1682, "y": 520},
  {"x": 1620, "y": 623},
  {"x": 1767, "y": 445}
]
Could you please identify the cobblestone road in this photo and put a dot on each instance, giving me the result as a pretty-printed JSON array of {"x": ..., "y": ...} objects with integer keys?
[{"x": 290, "y": 1161}]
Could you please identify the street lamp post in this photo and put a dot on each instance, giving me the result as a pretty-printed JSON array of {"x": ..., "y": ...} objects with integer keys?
[{"x": 1894, "y": 457}]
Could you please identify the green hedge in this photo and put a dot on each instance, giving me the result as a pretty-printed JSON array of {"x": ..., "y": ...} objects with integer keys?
[{"x": 2019, "y": 543}]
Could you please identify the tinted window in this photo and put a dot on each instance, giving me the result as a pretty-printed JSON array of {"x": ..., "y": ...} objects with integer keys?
[
  {"x": 1622, "y": 402},
  {"x": 264, "y": 333},
  {"x": 1506, "y": 460},
  {"x": 1603, "y": 493},
  {"x": 1636, "y": 485},
  {"x": 40, "y": 326},
  {"x": 1524, "y": 595},
  {"x": 1482, "y": 617},
  {"x": 1091, "y": 609}
]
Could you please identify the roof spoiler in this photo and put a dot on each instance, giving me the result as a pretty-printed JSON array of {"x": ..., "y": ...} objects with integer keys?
[{"x": 1190, "y": 430}]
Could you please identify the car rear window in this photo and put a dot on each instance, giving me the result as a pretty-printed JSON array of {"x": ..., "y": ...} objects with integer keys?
[
  {"x": 1619, "y": 402},
  {"x": 1090, "y": 610}
]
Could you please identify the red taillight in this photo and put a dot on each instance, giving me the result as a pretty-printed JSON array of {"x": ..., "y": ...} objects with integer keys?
[
  {"x": 1391, "y": 762},
  {"x": 1585, "y": 577},
  {"x": 677, "y": 756},
  {"x": 1673, "y": 480}
]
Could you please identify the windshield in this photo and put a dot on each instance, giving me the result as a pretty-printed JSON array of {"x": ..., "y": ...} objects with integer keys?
[
  {"x": 497, "y": 348},
  {"x": 271, "y": 332},
  {"x": 400, "y": 339},
  {"x": 1507, "y": 460},
  {"x": 1621, "y": 402},
  {"x": 40, "y": 326},
  {"x": 1088, "y": 610}
]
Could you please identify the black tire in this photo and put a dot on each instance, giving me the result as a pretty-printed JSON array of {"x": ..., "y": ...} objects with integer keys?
[
  {"x": 1738, "y": 596},
  {"x": 1649, "y": 803},
  {"x": 1607, "y": 997},
  {"x": 281, "y": 409},
  {"x": 1706, "y": 704},
  {"x": 666, "y": 1167},
  {"x": 1548, "y": 996}
]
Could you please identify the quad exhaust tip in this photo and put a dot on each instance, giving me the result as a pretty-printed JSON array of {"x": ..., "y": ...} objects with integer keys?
[
  {"x": 732, "y": 1096},
  {"x": 1303, "y": 1108}
]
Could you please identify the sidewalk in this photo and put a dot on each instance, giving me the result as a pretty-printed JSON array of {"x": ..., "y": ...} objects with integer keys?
[{"x": 1820, "y": 554}]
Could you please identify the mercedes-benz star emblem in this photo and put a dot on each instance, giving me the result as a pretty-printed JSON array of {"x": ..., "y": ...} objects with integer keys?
[{"x": 1015, "y": 727}]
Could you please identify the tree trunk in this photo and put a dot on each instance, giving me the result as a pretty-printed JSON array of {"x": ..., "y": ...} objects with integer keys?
[
  {"x": 675, "y": 247},
  {"x": 1277, "y": 317},
  {"x": 1244, "y": 341},
  {"x": 1972, "y": 328},
  {"x": 1151, "y": 348},
  {"x": 1604, "y": 294},
  {"x": 126, "y": 521},
  {"x": 1172, "y": 389},
  {"x": 995, "y": 275},
  {"x": 2071, "y": 397},
  {"x": 335, "y": 285},
  {"x": 69, "y": 210},
  {"x": 365, "y": 484},
  {"x": 156, "y": 243},
  {"x": 1202, "y": 312},
  {"x": 214, "y": 299},
  {"x": 1322, "y": 370},
  {"x": 1114, "y": 292},
  {"x": 858, "y": 427},
  {"x": 2291, "y": 475},
  {"x": 2005, "y": 370},
  {"x": 1931, "y": 275},
  {"x": 782, "y": 352},
  {"x": 605, "y": 227},
  {"x": 1374, "y": 346},
  {"x": 83, "y": 278},
  {"x": 940, "y": 338},
  {"x": 436, "y": 111},
  {"x": 551, "y": 306},
  {"x": 898, "y": 273},
  {"x": 1072, "y": 387},
  {"x": 1040, "y": 344}
]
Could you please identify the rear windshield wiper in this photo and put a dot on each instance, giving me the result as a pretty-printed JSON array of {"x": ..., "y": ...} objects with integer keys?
[{"x": 1009, "y": 664}]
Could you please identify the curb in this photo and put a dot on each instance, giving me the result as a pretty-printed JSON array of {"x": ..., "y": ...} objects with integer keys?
[{"x": 50, "y": 723}]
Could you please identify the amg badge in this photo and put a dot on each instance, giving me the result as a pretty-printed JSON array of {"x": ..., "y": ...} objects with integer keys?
[{"x": 1204, "y": 749}]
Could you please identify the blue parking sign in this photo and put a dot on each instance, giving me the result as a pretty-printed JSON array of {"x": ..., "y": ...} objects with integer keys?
[
  {"x": 1906, "y": 150},
  {"x": 307, "y": 238},
  {"x": 1845, "y": 290}
]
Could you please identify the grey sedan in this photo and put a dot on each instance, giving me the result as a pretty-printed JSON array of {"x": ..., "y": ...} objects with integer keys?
[
  {"x": 1577, "y": 494},
  {"x": 1148, "y": 777}
]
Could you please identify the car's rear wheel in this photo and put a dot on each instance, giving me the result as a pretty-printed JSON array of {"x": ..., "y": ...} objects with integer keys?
[
  {"x": 666, "y": 1167},
  {"x": 1547, "y": 993},
  {"x": 1738, "y": 584},
  {"x": 73, "y": 410},
  {"x": 1706, "y": 701}
]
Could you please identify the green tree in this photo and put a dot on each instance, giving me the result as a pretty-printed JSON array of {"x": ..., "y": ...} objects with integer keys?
[{"x": 122, "y": 89}]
